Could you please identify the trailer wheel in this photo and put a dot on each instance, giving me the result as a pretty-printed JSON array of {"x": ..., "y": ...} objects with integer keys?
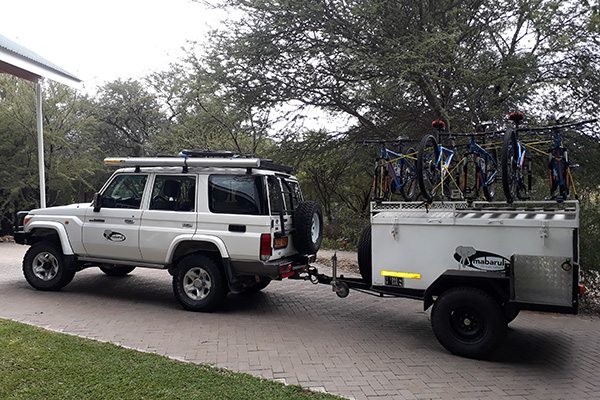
[
  {"x": 364, "y": 255},
  {"x": 511, "y": 315},
  {"x": 468, "y": 322}
]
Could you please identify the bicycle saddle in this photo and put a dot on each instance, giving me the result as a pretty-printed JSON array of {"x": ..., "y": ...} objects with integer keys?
[
  {"x": 516, "y": 117},
  {"x": 439, "y": 125}
]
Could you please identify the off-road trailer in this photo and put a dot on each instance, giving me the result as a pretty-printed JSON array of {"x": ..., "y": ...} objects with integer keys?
[{"x": 477, "y": 264}]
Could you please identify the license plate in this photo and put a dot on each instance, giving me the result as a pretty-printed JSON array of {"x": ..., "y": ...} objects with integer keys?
[
  {"x": 394, "y": 281},
  {"x": 280, "y": 243}
]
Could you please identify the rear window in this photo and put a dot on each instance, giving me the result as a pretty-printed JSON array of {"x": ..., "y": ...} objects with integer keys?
[{"x": 236, "y": 194}]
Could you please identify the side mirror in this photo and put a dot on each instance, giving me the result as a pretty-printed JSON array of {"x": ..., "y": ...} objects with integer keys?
[{"x": 97, "y": 202}]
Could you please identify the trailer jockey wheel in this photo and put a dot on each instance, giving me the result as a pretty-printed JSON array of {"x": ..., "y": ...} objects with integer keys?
[{"x": 341, "y": 289}]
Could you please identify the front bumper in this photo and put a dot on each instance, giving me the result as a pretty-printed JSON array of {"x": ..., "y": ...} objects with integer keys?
[{"x": 19, "y": 233}]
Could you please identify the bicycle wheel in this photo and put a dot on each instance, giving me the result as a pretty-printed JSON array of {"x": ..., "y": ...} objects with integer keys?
[
  {"x": 559, "y": 175},
  {"x": 488, "y": 170},
  {"x": 381, "y": 183},
  {"x": 512, "y": 175},
  {"x": 428, "y": 171},
  {"x": 470, "y": 177},
  {"x": 408, "y": 178}
]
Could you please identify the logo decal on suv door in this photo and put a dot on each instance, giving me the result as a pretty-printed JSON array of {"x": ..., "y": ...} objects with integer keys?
[{"x": 114, "y": 236}]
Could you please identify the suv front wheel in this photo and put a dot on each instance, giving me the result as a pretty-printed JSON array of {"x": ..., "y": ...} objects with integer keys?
[
  {"x": 44, "y": 267},
  {"x": 199, "y": 283}
]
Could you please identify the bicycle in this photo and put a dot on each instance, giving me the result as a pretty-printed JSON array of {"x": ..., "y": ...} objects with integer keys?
[
  {"x": 559, "y": 166},
  {"x": 393, "y": 171},
  {"x": 514, "y": 154},
  {"x": 479, "y": 168},
  {"x": 435, "y": 165}
]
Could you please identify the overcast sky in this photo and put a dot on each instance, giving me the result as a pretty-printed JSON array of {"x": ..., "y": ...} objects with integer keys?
[{"x": 101, "y": 41}]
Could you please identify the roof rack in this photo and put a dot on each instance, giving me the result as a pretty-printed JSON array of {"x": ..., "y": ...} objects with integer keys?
[{"x": 193, "y": 161}]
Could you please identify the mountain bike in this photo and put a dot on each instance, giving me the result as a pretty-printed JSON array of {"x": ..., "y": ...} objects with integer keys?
[
  {"x": 514, "y": 155},
  {"x": 393, "y": 171},
  {"x": 479, "y": 167},
  {"x": 559, "y": 166},
  {"x": 435, "y": 166}
]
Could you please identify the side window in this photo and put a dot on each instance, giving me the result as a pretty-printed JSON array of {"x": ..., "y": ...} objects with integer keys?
[
  {"x": 173, "y": 193},
  {"x": 236, "y": 194},
  {"x": 125, "y": 191},
  {"x": 291, "y": 193},
  {"x": 276, "y": 204}
]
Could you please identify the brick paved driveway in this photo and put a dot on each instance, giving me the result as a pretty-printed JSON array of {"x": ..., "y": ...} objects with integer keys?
[{"x": 362, "y": 347}]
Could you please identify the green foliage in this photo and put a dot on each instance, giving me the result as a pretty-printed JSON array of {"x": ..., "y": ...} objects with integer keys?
[{"x": 37, "y": 364}]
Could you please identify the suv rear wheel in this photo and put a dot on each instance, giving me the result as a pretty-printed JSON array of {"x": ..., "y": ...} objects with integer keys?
[{"x": 199, "y": 283}]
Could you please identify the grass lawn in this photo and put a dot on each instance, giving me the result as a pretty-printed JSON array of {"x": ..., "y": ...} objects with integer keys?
[{"x": 38, "y": 364}]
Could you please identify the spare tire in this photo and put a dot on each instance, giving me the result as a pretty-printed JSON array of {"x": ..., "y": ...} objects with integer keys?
[
  {"x": 364, "y": 255},
  {"x": 308, "y": 224}
]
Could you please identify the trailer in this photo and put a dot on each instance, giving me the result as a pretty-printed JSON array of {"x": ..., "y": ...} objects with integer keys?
[{"x": 476, "y": 264}]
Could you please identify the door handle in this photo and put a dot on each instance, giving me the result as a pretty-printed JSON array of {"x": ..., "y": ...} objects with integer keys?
[
  {"x": 237, "y": 228},
  {"x": 129, "y": 221}
]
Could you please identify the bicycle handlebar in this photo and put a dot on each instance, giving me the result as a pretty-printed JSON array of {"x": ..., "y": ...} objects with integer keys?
[
  {"x": 382, "y": 141},
  {"x": 556, "y": 127}
]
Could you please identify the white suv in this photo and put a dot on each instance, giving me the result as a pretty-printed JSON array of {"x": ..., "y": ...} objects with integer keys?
[{"x": 217, "y": 223}]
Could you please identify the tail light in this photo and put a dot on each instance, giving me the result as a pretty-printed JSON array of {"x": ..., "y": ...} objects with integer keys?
[{"x": 265, "y": 246}]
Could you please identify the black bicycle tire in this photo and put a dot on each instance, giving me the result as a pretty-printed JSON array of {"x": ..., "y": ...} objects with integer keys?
[
  {"x": 381, "y": 187},
  {"x": 469, "y": 167},
  {"x": 511, "y": 191},
  {"x": 489, "y": 188},
  {"x": 410, "y": 194},
  {"x": 422, "y": 159}
]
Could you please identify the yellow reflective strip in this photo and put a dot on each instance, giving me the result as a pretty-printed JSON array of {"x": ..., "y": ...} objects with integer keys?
[
  {"x": 113, "y": 161},
  {"x": 401, "y": 274}
]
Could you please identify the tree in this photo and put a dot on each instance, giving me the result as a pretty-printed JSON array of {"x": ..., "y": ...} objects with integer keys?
[
  {"x": 71, "y": 163},
  {"x": 395, "y": 66},
  {"x": 128, "y": 118}
]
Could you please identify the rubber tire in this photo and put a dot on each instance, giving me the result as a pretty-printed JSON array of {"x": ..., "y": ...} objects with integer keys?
[
  {"x": 306, "y": 216},
  {"x": 511, "y": 315},
  {"x": 468, "y": 178},
  {"x": 423, "y": 165},
  {"x": 217, "y": 291},
  {"x": 117, "y": 270},
  {"x": 483, "y": 313},
  {"x": 489, "y": 191},
  {"x": 382, "y": 179},
  {"x": 408, "y": 191},
  {"x": 509, "y": 153},
  {"x": 61, "y": 278},
  {"x": 365, "y": 262}
]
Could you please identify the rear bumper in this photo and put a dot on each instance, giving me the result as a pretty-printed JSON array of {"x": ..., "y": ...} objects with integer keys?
[{"x": 272, "y": 269}]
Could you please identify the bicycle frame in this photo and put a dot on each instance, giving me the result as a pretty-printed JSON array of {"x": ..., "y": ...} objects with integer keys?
[
  {"x": 397, "y": 166},
  {"x": 396, "y": 170},
  {"x": 443, "y": 163},
  {"x": 481, "y": 153}
]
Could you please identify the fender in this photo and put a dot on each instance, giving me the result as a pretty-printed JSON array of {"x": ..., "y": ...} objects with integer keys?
[
  {"x": 219, "y": 244},
  {"x": 60, "y": 230}
]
